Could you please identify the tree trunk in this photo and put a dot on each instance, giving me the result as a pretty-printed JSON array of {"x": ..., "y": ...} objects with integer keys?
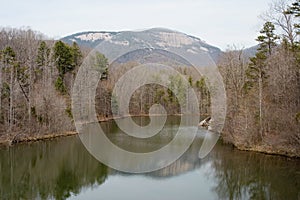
[
  {"x": 11, "y": 99},
  {"x": 260, "y": 105},
  {"x": 29, "y": 99},
  {"x": 0, "y": 92}
]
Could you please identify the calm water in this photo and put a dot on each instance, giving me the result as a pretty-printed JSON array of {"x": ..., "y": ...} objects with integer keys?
[{"x": 63, "y": 169}]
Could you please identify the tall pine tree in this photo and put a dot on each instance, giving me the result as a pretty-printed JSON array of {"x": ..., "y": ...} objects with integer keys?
[
  {"x": 256, "y": 72},
  {"x": 267, "y": 39}
]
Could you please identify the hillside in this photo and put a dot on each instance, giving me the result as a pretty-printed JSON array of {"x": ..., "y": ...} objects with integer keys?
[{"x": 159, "y": 38}]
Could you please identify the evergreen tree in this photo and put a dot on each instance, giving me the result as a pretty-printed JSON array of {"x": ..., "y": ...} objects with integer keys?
[
  {"x": 267, "y": 41},
  {"x": 43, "y": 54},
  {"x": 77, "y": 55},
  {"x": 256, "y": 72},
  {"x": 100, "y": 63},
  {"x": 43, "y": 61},
  {"x": 294, "y": 9},
  {"x": 63, "y": 57},
  {"x": 8, "y": 56}
]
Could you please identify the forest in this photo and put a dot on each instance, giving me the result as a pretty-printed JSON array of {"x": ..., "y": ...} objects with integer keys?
[{"x": 263, "y": 91}]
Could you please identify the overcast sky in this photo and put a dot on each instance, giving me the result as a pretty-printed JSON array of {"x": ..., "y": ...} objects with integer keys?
[{"x": 218, "y": 22}]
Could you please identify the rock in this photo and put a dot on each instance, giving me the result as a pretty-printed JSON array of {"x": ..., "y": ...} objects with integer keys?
[{"x": 205, "y": 123}]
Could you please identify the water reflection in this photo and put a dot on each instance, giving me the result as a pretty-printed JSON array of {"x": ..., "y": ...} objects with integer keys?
[
  {"x": 62, "y": 168},
  {"x": 52, "y": 169},
  {"x": 249, "y": 175}
]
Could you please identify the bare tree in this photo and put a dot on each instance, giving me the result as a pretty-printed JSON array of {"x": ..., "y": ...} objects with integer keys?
[
  {"x": 233, "y": 65},
  {"x": 281, "y": 19}
]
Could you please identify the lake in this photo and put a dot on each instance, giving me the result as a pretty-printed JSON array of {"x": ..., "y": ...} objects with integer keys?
[{"x": 63, "y": 169}]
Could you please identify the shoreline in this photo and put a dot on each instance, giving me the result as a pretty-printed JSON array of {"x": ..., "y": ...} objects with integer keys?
[
  {"x": 11, "y": 140},
  {"x": 270, "y": 151},
  {"x": 23, "y": 138}
]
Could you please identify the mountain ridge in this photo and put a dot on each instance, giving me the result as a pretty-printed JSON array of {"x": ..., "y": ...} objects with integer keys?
[{"x": 166, "y": 38}]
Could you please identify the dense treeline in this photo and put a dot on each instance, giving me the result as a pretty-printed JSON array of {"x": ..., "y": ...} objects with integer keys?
[
  {"x": 264, "y": 91},
  {"x": 172, "y": 98},
  {"x": 36, "y": 76}
]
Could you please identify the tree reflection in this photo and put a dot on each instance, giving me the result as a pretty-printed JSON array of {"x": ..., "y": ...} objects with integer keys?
[
  {"x": 46, "y": 170},
  {"x": 249, "y": 175}
]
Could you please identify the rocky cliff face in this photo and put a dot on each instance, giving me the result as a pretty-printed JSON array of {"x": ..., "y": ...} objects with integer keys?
[{"x": 158, "y": 38}]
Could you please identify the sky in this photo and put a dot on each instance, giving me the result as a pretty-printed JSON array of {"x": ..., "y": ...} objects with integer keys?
[{"x": 221, "y": 23}]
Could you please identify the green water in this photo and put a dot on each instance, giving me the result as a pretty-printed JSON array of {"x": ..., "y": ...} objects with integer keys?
[{"x": 63, "y": 169}]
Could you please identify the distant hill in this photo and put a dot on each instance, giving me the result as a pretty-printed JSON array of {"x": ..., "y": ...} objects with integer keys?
[
  {"x": 251, "y": 51},
  {"x": 158, "y": 37}
]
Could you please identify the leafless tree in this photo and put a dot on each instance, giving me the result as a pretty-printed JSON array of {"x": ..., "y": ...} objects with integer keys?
[{"x": 281, "y": 19}]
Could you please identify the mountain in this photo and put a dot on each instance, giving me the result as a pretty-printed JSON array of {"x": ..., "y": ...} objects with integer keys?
[
  {"x": 251, "y": 51},
  {"x": 89, "y": 39},
  {"x": 158, "y": 38}
]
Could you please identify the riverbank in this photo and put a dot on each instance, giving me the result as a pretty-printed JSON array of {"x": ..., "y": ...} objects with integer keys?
[
  {"x": 262, "y": 148},
  {"x": 9, "y": 139},
  {"x": 287, "y": 151},
  {"x": 12, "y": 139},
  {"x": 266, "y": 147},
  {"x": 271, "y": 144}
]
